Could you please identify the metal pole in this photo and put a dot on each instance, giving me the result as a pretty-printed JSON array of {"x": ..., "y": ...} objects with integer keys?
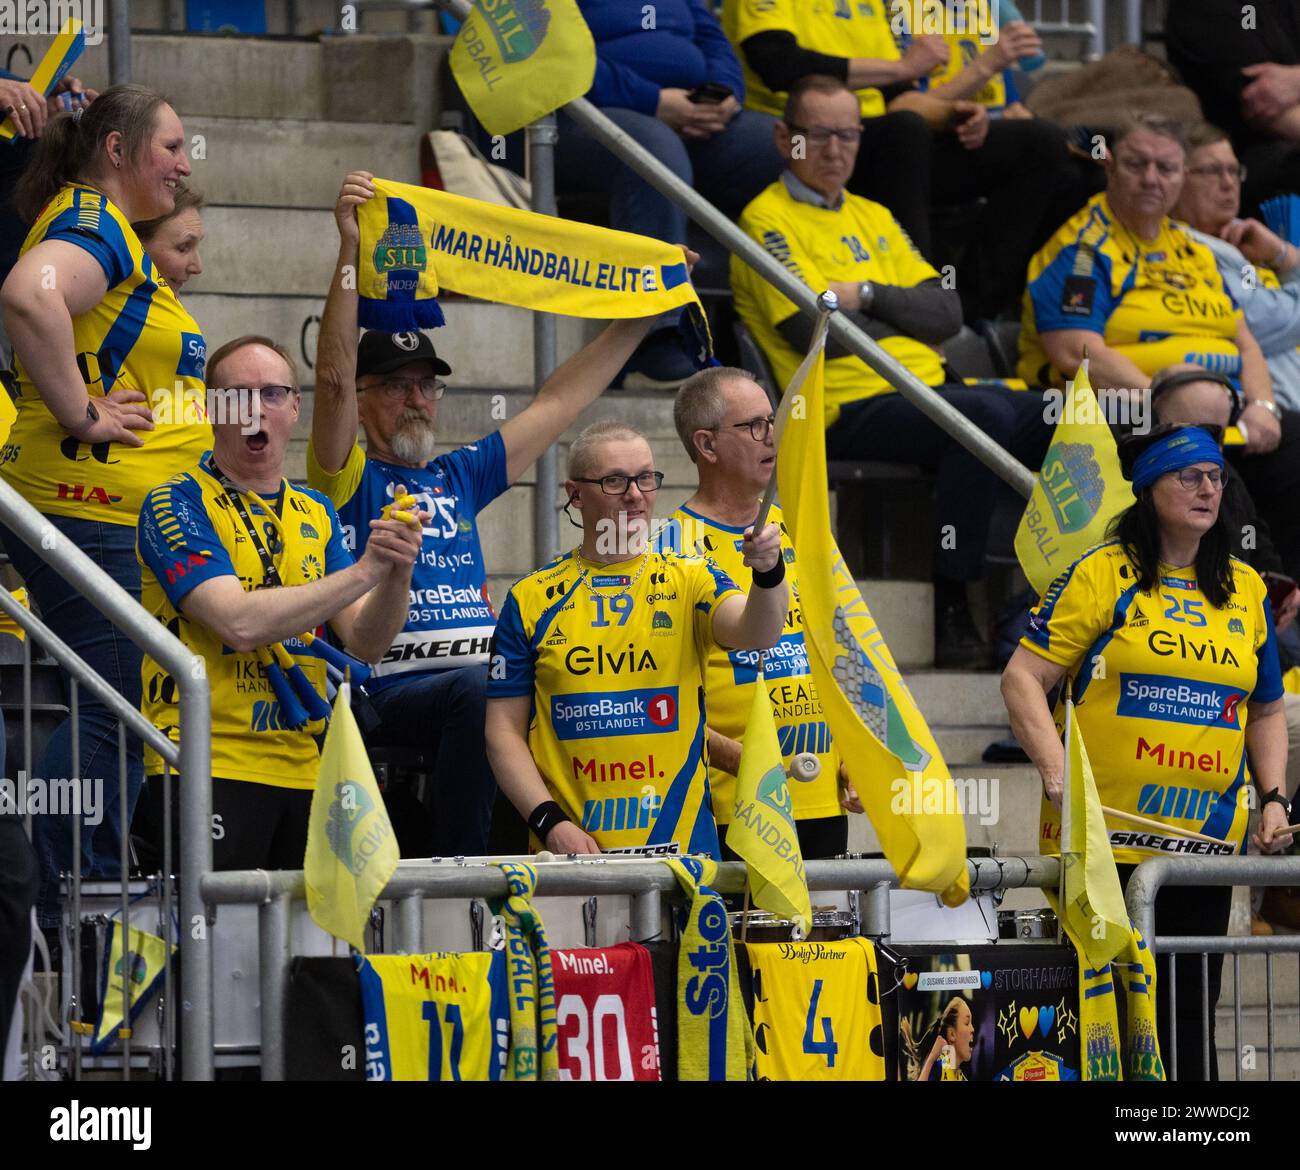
[
  {"x": 1133, "y": 25},
  {"x": 542, "y": 136},
  {"x": 1097, "y": 39},
  {"x": 273, "y": 960},
  {"x": 195, "y": 782},
  {"x": 74, "y": 727},
  {"x": 647, "y": 916},
  {"x": 119, "y": 41},
  {"x": 801, "y": 295},
  {"x": 124, "y": 857},
  {"x": 410, "y": 925}
]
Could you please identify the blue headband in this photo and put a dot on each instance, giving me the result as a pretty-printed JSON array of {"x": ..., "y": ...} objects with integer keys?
[{"x": 1173, "y": 452}]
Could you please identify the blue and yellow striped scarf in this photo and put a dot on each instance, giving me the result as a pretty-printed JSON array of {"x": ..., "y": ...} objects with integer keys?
[
  {"x": 533, "y": 1036},
  {"x": 1099, "y": 1019},
  {"x": 714, "y": 1039}
]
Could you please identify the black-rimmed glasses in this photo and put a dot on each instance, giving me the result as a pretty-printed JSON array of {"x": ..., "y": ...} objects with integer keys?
[{"x": 617, "y": 485}]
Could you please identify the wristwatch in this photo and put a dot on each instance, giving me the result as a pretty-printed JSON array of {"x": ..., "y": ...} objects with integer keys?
[
  {"x": 1271, "y": 407},
  {"x": 866, "y": 294},
  {"x": 1276, "y": 797}
]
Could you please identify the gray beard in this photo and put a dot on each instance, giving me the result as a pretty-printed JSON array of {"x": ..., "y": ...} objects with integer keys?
[{"x": 414, "y": 441}]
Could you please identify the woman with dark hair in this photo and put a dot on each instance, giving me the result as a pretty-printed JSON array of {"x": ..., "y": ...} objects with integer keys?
[
  {"x": 98, "y": 340},
  {"x": 173, "y": 240},
  {"x": 1168, "y": 645}
]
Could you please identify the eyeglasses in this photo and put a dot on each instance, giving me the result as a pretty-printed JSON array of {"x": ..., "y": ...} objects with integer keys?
[
  {"x": 272, "y": 396},
  {"x": 1138, "y": 166},
  {"x": 399, "y": 389},
  {"x": 1220, "y": 171},
  {"x": 759, "y": 428},
  {"x": 821, "y": 135},
  {"x": 617, "y": 485},
  {"x": 1190, "y": 478}
]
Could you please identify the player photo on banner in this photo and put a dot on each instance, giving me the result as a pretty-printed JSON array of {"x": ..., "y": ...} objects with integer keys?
[{"x": 988, "y": 1014}]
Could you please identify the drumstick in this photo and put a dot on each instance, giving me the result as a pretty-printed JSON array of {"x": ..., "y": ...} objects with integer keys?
[{"x": 1164, "y": 828}]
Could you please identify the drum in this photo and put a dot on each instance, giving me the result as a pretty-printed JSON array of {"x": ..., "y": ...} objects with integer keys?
[
  {"x": 1039, "y": 925},
  {"x": 757, "y": 926}
]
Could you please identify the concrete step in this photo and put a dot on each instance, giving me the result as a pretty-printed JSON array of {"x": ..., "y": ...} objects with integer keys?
[
  {"x": 963, "y": 746},
  {"x": 294, "y": 162},
  {"x": 904, "y": 611},
  {"x": 268, "y": 250},
  {"x": 313, "y": 16},
  {"x": 351, "y": 78},
  {"x": 488, "y": 346},
  {"x": 958, "y": 697}
]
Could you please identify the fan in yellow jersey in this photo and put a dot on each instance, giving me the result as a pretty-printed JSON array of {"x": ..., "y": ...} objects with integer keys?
[
  {"x": 1129, "y": 284},
  {"x": 595, "y": 723},
  {"x": 725, "y": 422},
  {"x": 1168, "y": 644},
  {"x": 233, "y": 525},
  {"x": 817, "y": 1011},
  {"x": 96, "y": 332},
  {"x": 830, "y": 238}
]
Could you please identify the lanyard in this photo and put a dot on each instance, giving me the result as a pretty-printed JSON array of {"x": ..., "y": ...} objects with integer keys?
[{"x": 270, "y": 574}]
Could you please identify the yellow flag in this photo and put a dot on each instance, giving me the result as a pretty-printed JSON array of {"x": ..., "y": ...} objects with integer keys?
[
  {"x": 762, "y": 828},
  {"x": 1078, "y": 491},
  {"x": 1093, "y": 913},
  {"x": 142, "y": 978},
  {"x": 516, "y": 60},
  {"x": 882, "y": 737},
  {"x": 351, "y": 850}
]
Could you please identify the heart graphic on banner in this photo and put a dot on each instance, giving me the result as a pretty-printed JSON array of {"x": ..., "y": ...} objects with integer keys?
[
  {"x": 986, "y": 979},
  {"x": 909, "y": 980},
  {"x": 1028, "y": 1020},
  {"x": 1046, "y": 1018}
]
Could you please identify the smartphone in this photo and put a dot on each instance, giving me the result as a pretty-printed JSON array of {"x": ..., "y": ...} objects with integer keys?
[
  {"x": 1279, "y": 588},
  {"x": 711, "y": 92}
]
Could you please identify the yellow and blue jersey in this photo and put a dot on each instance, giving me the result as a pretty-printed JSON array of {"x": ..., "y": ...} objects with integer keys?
[
  {"x": 190, "y": 533},
  {"x": 1158, "y": 302},
  {"x": 436, "y": 1017},
  {"x": 860, "y": 241},
  {"x": 450, "y": 619},
  {"x": 838, "y": 28},
  {"x": 1038, "y": 1066},
  {"x": 140, "y": 337},
  {"x": 1161, "y": 681},
  {"x": 817, "y": 1014},
  {"x": 613, "y": 657},
  {"x": 731, "y": 675},
  {"x": 970, "y": 29}
]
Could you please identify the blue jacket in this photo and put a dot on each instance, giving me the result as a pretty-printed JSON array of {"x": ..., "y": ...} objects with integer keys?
[{"x": 686, "y": 48}]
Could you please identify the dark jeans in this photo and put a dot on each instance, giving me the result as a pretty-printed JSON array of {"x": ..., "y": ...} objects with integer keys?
[
  {"x": 1187, "y": 910},
  {"x": 117, "y": 659},
  {"x": 728, "y": 169},
  {"x": 441, "y": 713},
  {"x": 254, "y": 826},
  {"x": 890, "y": 429},
  {"x": 1273, "y": 481}
]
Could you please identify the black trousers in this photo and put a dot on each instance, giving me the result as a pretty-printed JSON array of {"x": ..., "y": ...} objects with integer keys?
[
  {"x": 17, "y": 896},
  {"x": 819, "y": 838},
  {"x": 1194, "y": 910},
  {"x": 890, "y": 429},
  {"x": 255, "y": 826},
  {"x": 1273, "y": 481}
]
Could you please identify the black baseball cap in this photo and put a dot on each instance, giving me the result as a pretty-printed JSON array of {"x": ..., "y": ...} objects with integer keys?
[{"x": 381, "y": 353}]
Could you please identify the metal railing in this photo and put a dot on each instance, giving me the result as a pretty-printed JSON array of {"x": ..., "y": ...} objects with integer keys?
[
  {"x": 1057, "y": 16},
  {"x": 646, "y": 882},
  {"x": 191, "y": 758},
  {"x": 1143, "y": 887}
]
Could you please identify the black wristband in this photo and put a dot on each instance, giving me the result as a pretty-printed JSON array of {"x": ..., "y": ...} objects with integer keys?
[
  {"x": 544, "y": 818},
  {"x": 770, "y": 578}
]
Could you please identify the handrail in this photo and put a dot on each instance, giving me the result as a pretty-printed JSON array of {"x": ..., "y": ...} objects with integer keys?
[
  {"x": 193, "y": 757},
  {"x": 804, "y": 298}
]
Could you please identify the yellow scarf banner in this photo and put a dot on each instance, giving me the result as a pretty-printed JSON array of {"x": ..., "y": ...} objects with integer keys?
[
  {"x": 517, "y": 60},
  {"x": 762, "y": 829},
  {"x": 351, "y": 847},
  {"x": 416, "y": 241},
  {"x": 714, "y": 1039},
  {"x": 58, "y": 59},
  {"x": 534, "y": 1038},
  {"x": 887, "y": 749},
  {"x": 1078, "y": 490}
]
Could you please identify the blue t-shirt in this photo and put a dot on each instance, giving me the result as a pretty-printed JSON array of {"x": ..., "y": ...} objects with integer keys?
[{"x": 451, "y": 619}]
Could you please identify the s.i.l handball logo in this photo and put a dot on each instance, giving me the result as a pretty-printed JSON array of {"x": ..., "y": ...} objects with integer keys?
[{"x": 519, "y": 26}]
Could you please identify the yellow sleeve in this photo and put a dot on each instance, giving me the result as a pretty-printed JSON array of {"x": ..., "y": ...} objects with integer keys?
[
  {"x": 340, "y": 486},
  {"x": 747, "y": 17},
  {"x": 910, "y": 267},
  {"x": 772, "y": 232},
  {"x": 1074, "y": 612}
]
